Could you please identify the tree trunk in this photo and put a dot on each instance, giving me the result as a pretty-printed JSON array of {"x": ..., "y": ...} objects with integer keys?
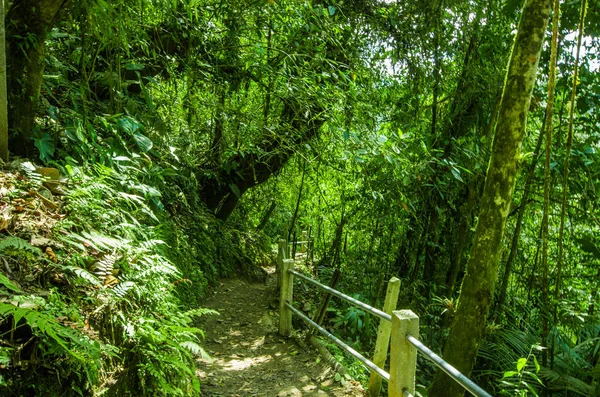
[
  {"x": 223, "y": 187},
  {"x": 3, "y": 99},
  {"x": 548, "y": 124},
  {"x": 565, "y": 186},
  {"x": 266, "y": 216},
  {"x": 298, "y": 201},
  {"x": 478, "y": 285},
  {"x": 463, "y": 236},
  {"x": 28, "y": 22},
  {"x": 515, "y": 239}
]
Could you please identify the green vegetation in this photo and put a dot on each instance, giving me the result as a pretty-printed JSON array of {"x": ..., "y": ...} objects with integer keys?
[{"x": 149, "y": 148}]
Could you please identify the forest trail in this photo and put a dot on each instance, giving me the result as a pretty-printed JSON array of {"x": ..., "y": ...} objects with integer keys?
[{"x": 250, "y": 358}]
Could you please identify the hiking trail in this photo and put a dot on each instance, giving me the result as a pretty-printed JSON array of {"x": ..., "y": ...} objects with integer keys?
[{"x": 249, "y": 358}]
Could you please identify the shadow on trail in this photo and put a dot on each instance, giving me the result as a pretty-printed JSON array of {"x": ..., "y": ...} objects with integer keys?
[{"x": 249, "y": 358}]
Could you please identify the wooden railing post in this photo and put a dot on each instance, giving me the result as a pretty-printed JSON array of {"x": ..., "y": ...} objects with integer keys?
[
  {"x": 383, "y": 336},
  {"x": 286, "y": 294},
  {"x": 281, "y": 255},
  {"x": 403, "y": 356}
]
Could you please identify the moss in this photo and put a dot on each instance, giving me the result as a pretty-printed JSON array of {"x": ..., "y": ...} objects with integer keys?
[{"x": 478, "y": 285}]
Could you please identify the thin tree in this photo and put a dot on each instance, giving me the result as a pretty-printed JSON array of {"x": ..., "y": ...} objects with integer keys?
[
  {"x": 548, "y": 133},
  {"x": 478, "y": 284},
  {"x": 565, "y": 188},
  {"x": 3, "y": 98}
]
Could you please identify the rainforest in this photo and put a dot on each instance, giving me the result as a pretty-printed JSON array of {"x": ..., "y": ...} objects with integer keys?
[{"x": 185, "y": 184}]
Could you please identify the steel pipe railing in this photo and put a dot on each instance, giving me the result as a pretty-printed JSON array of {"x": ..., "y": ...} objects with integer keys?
[
  {"x": 364, "y": 306},
  {"x": 341, "y": 344},
  {"x": 455, "y": 374},
  {"x": 460, "y": 378}
]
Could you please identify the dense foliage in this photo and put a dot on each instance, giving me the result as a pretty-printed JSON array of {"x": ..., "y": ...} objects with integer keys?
[{"x": 187, "y": 136}]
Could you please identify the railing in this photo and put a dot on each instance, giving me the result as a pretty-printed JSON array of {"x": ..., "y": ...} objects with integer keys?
[
  {"x": 401, "y": 327},
  {"x": 306, "y": 246}
]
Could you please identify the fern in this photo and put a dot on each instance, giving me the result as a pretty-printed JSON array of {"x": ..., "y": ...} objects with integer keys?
[
  {"x": 97, "y": 241},
  {"x": 47, "y": 325},
  {"x": 195, "y": 349},
  {"x": 104, "y": 268},
  {"x": 121, "y": 289},
  {"x": 19, "y": 244},
  {"x": 29, "y": 170},
  {"x": 83, "y": 274}
]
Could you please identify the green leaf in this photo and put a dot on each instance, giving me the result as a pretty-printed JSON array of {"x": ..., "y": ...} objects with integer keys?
[
  {"x": 521, "y": 363},
  {"x": 129, "y": 124},
  {"x": 8, "y": 284},
  {"x": 45, "y": 144},
  {"x": 508, "y": 374},
  {"x": 537, "y": 365},
  {"x": 134, "y": 66},
  {"x": 456, "y": 174},
  {"x": 143, "y": 142}
]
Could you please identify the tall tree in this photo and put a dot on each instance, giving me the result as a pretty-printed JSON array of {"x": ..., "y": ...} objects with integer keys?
[
  {"x": 478, "y": 284},
  {"x": 548, "y": 125},
  {"x": 563, "y": 204},
  {"x": 28, "y": 22},
  {"x": 3, "y": 103}
]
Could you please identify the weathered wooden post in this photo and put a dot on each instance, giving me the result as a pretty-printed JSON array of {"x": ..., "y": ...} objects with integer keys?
[
  {"x": 383, "y": 336},
  {"x": 286, "y": 294},
  {"x": 304, "y": 242},
  {"x": 403, "y": 356},
  {"x": 281, "y": 255}
]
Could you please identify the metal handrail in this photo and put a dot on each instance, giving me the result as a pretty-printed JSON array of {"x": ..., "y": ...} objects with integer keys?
[
  {"x": 337, "y": 341},
  {"x": 455, "y": 374},
  {"x": 372, "y": 310}
]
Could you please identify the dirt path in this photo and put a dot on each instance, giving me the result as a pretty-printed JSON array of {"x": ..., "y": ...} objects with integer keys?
[{"x": 250, "y": 359}]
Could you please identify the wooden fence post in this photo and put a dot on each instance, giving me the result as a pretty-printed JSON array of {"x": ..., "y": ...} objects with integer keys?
[
  {"x": 281, "y": 249},
  {"x": 403, "y": 356},
  {"x": 383, "y": 336},
  {"x": 287, "y": 248},
  {"x": 286, "y": 294}
]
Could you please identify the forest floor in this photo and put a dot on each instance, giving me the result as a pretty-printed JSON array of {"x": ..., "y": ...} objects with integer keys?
[{"x": 249, "y": 358}]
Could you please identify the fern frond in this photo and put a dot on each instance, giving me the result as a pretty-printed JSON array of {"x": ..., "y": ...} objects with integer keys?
[
  {"x": 29, "y": 170},
  {"x": 196, "y": 349},
  {"x": 105, "y": 242},
  {"x": 97, "y": 241},
  {"x": 83, "y": 274},
  {"x": 201, "y": 311},
  {"x": 19, "y": 244},
  {"x": 58, "y": 332},
  {"x": 121, "y": 289},
  {"x": 104, "y": 268}
]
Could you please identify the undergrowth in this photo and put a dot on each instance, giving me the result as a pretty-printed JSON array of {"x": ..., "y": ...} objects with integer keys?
[{"x": 106, "y": 305}]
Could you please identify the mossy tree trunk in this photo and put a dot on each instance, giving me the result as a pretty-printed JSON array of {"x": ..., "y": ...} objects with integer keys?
[
  {"x": 478, "y": 284},
  {"x": 27, "y": 23}
]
